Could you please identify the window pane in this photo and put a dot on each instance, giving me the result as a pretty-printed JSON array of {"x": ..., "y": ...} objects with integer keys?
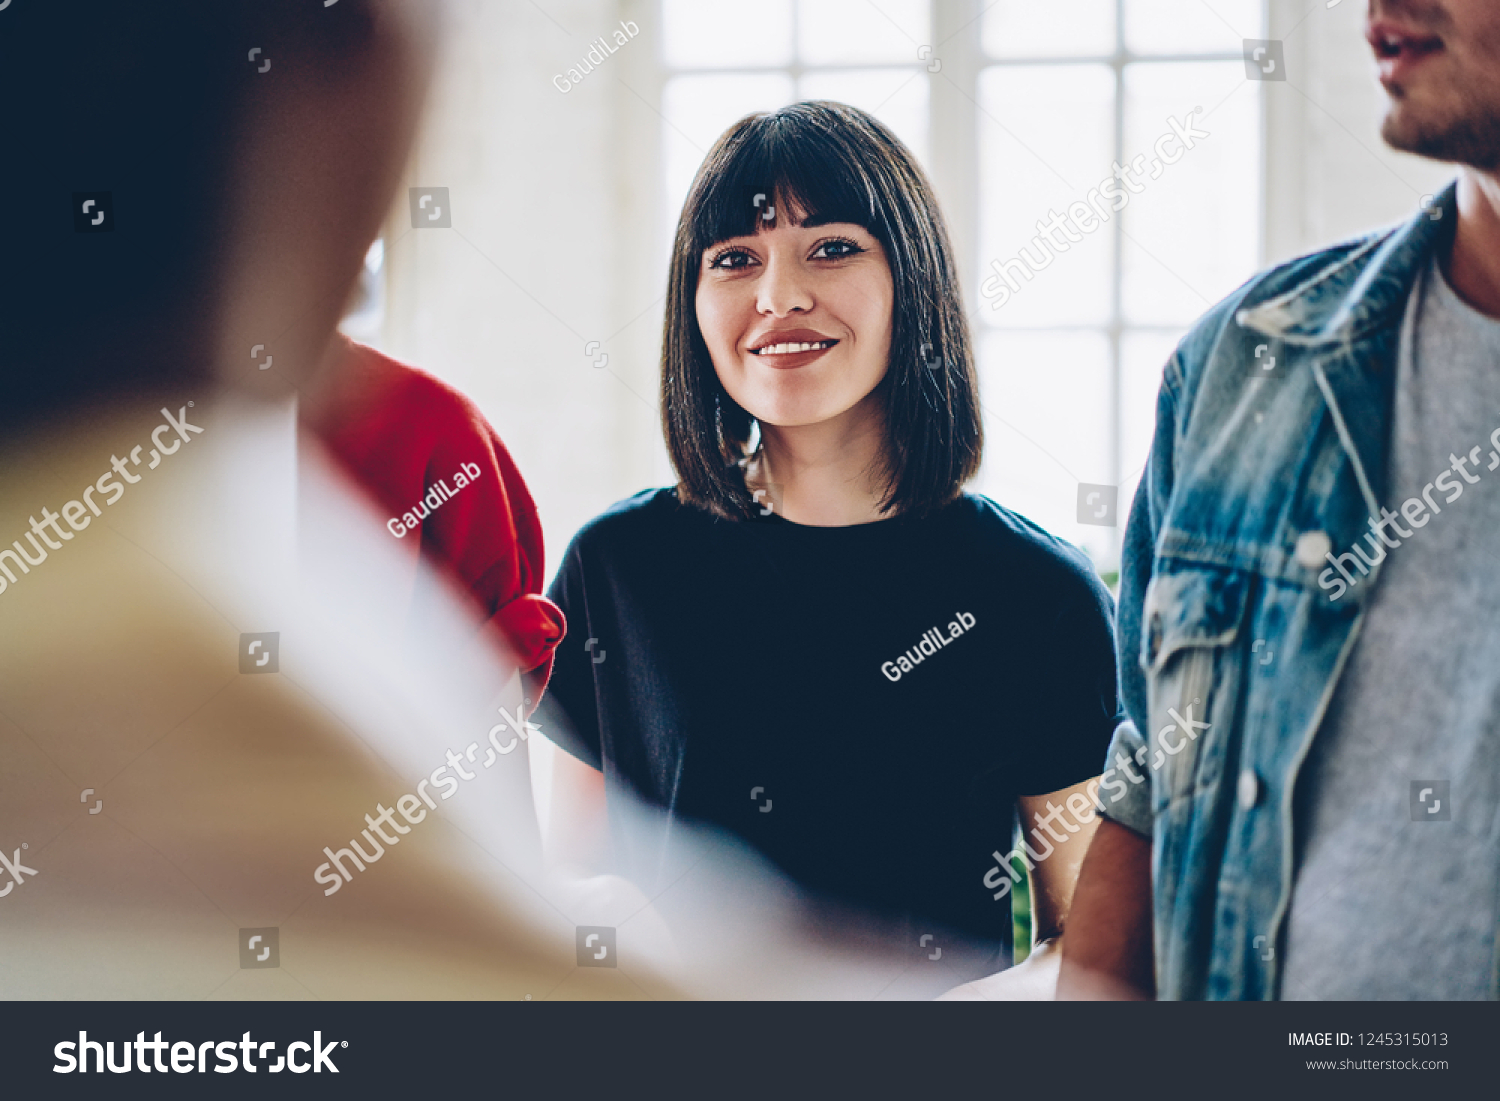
[
  {"x": 1193, "y": 233},
  {"x": 697, "y": 109},
  {"x": 1046, "y": 28},
  {"x": 1046, "y": 138},
  {"x": 852, "y": 32},
  {"x": 698, "y": 34},
  {"x": 897, "y": 97},
  {"x": 1047, "y": 428},
  {"x": 1190, "y": 26}
]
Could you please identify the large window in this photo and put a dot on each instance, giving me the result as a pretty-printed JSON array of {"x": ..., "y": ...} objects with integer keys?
[
  {"x": 726, "y": 58},
  {"x": 1099, "y": 161},
  {"x": 1080, "y": 99}
]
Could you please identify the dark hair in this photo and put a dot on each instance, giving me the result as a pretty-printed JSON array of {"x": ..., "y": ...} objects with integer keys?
[{"x": 838, "y": 163}]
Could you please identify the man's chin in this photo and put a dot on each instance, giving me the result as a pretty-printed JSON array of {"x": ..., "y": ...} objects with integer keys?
[
  {"x": 1400, "y": 132},
  {"x": 1458, "y": 141}
]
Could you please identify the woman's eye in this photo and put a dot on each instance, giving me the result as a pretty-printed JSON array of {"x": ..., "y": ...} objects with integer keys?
[
  {"x": 731, "y": 260},
  {"x": 836, "y": 249}
]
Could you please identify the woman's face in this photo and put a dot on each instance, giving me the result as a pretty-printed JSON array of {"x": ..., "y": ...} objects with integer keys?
[{"x": 797, "y": 319}]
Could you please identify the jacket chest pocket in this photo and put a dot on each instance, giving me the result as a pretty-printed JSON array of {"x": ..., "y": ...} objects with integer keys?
[{"x": 1191, "y": 620}]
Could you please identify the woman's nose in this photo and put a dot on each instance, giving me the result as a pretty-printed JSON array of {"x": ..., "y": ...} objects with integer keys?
[{"x": 783, "y": 289}]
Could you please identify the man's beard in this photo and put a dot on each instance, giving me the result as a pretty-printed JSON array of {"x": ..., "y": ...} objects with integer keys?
[{"x": 1470, "y": 137}]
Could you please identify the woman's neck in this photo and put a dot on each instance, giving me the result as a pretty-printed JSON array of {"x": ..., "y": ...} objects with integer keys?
[{"x": 824, "y": 475}]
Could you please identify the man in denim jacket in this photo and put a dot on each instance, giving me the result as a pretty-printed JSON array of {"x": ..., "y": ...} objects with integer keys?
[{"x": 1303, "y": 804}]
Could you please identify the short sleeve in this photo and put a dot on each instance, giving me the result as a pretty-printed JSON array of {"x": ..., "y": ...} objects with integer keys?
[
  {"x": 1125, "y": 794},
  {"x": 569, "y": 714},
  {"x": 1075, "y": 704}
]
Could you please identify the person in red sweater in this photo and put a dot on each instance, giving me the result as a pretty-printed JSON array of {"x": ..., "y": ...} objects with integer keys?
[{"x": 436, "y": 468}]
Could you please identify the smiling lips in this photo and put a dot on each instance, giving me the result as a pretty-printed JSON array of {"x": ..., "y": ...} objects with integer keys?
[
  {"x": 791, "y": 348},
  {"x": 1400, "y": 49}
]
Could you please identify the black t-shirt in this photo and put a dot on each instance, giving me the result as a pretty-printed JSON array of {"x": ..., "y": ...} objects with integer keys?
[{"x": 736, "y": 664}]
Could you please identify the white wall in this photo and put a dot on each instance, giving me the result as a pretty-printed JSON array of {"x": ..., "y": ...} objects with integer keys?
[{"x": 549, "y": 199}]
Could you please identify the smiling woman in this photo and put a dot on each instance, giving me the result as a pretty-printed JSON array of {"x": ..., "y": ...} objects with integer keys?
[
  {"x": 820, "y": 407},
  {"x": 817, "y": 204}
]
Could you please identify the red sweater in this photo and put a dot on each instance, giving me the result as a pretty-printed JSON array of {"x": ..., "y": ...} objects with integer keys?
[{"x": 451, "y": 491}]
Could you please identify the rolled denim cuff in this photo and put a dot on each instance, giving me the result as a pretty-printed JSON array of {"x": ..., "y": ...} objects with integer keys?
[{"x": 1125, "y": 787}]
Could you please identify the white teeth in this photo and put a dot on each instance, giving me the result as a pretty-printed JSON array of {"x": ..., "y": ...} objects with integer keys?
[{"x": 790, "y": 349}]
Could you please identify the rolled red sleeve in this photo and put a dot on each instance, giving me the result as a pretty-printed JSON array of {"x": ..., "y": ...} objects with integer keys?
[{"x": 399, "y": 433}]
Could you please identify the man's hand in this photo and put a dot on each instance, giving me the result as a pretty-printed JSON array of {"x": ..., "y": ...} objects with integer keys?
[{"x": 1032, "y": 980}]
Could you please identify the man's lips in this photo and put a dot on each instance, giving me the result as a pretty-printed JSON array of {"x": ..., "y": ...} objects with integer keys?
[{"x": 1399, "y": 48}]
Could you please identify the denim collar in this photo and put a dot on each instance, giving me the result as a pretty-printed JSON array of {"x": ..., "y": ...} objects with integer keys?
[
  {"x": 1347, "y": 319},
  {"x": 1366, "y": 291}
]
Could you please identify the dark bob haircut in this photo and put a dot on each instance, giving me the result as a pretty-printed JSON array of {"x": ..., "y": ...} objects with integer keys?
[{"x": 834, "y": 162}]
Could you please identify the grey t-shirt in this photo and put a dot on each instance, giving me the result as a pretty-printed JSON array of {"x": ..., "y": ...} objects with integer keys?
[{"x": 1397, "y": 809}]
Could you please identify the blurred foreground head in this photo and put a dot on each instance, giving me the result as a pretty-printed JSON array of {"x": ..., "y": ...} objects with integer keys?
[{"x": 238, "y": 197}]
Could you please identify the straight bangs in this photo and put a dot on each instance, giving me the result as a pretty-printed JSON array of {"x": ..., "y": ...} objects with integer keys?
[{"x": 773, "y": 167}]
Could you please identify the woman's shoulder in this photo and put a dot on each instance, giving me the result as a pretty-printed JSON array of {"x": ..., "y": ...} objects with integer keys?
[
  {"x": 1024, "y": 544},
  {"x": 646, "y": 514}
]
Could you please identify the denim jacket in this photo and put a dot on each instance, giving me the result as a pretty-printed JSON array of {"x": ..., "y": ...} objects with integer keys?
[{"x": 1272, "y": 428}]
